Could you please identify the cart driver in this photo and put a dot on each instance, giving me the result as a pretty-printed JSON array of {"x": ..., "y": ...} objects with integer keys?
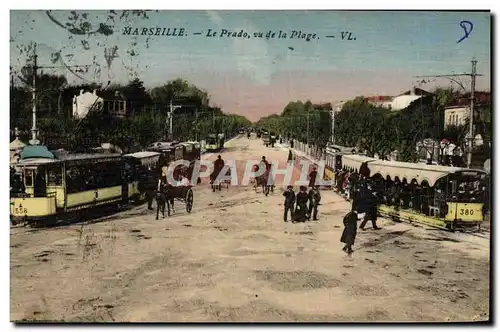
[
  {"x": 183, "y": 181},
  {"x": 264, "y": 163}
]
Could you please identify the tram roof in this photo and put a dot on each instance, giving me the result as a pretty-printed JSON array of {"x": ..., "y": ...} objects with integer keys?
[
  {"x": 355, "y": 161},
  {"x": 36, "y": 161},
  {"x": 143, "y": 154},
  {"x": 84, "y": 156},
  {"x": 413, "y": 171}
]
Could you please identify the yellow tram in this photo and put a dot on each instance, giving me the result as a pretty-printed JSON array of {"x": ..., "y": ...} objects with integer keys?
[
  {"x": 439, "y": 196},
  {"x": 65, "y": 183},
  {"x": 137, "y": 168}
]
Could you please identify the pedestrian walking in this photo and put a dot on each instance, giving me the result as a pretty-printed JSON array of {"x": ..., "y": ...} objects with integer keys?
[
  {"x": 350, "y": 230},
  {"x": 368, "y": 205},
  {"x": 314, "y": 199},
  {"x": 312, "y": 177},
  {"x": 289, "y": 203}
]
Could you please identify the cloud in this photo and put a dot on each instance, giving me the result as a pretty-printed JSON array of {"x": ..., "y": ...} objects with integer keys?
[
  {"x": 214, "y": 17},
  {"x": 252, "y": 55}
]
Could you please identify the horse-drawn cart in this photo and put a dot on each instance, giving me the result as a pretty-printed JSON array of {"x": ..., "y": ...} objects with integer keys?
[{"x": 183, "y": 194}]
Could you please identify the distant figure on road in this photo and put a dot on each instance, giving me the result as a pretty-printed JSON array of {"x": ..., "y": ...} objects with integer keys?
[
  {"x": 218, "y": 166},
  {"x": 349, "y": 233},
  {"x": 248, "y": 134},
  {"x": 290, "y": 156},
  {"x": 312, "y": 177},
  {"x": 314, "y": 199},
  {"x": 301, "y": 211},
  {"x": 291, "y": 143},
  {"x": 289, "y": 203},
  {"x": 264, "y": 163}
]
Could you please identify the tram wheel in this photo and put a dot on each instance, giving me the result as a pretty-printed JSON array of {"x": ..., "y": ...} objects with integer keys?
[
  {"x": 452, "y": 226},
  {"x": 189, "y": 200}
]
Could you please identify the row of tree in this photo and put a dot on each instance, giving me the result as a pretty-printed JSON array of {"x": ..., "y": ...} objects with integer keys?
[
  {"x": 378, "y": 130},
  {"x": 146, "y": 119}
]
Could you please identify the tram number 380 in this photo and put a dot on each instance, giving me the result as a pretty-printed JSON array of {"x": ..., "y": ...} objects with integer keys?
[{"x": 466, "y": 212}]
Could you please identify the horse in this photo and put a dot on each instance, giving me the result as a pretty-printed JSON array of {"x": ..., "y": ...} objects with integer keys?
[
  {"x": 262, "y": 181},
  {"x": 213, "y": 178},
  {"x": 163, "y": 197}
]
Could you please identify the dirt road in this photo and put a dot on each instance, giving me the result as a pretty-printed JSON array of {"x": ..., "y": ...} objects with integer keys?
[{"x": 234, "y": 259}]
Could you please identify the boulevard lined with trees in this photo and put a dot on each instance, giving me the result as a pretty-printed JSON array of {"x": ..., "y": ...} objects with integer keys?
[
  {"x": 147, "y": 112},
  {"x": 378, "y": 130}
]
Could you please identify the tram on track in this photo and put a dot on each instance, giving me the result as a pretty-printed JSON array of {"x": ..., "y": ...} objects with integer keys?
[
  {"x": 67, "y": 183},
  {"x": 440, "y": 196},
  {"x": 58, "y": 183}
]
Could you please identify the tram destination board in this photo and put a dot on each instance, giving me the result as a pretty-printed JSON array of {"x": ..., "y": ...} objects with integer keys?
[
  {"x": 84, "y": 159},
  {"x": 54, "y": 143}
]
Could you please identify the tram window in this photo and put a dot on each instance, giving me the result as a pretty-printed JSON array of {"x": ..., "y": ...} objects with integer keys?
[
  {"x": 28, "y": 177},
  {"x": 107, "y": 174},
  {"x": 54, "y": 175},
  {"x": 74, "y": 180}
]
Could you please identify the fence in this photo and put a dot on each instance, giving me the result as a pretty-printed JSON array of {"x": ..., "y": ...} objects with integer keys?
[{"x": 310, "y": 150}]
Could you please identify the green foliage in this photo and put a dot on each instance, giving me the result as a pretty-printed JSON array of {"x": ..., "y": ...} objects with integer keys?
[
  {"x": 373, "y": 129},
  {"x": 305, "y": 122},
  {"x": 146, "y": 124}
]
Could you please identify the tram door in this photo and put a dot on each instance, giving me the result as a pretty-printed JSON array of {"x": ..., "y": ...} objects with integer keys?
[{"x": 39, "y": 182}]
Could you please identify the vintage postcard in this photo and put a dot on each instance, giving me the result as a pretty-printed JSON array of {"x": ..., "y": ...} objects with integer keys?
[{"x": 250, "y": 166}]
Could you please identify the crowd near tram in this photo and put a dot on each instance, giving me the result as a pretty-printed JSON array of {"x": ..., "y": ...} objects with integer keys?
[{"x": 443, "y": 196}]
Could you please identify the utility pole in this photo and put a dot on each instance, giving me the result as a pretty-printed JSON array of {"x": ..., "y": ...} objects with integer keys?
[
  {"x": 471, "y": 116},
  {"x": 472, "y": 75},
  {"x": 307, "y": 128},
  {"x": 170, "y": 117},
  {"x": 34, "y": 130},
  {"x": 332, "y": 114}
]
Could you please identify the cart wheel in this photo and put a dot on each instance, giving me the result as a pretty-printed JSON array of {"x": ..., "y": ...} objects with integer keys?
[{"x": 189, "y": 200}]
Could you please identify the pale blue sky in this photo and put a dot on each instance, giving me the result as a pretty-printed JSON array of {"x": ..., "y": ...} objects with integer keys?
[{"x": 402, "y": 43}]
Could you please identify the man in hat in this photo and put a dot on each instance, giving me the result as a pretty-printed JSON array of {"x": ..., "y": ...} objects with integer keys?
[
  {"x": 312, "y": 177},
  {"x": 314, "y": 199},
  {"x": 289, "y": 202},
  {"x": 368, "y": 206},
  {"x": 349, "y": 233}
]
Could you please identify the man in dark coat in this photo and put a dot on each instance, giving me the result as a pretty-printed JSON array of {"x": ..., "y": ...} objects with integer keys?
[
  {"x": 312, "y": 177},
  {"x": 290, "y": 156},
  {"x": 314, "y": 199},
  {"x": 301, "y": 210},
  {"x": 218, "y": 166},
  {"x": 349, "y": 233},
  {"x": 289, "y": 202},
  {"x": 368, "y": 205}
]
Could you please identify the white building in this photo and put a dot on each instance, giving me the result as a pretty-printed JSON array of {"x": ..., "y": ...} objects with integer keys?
[
  {"x": 338, "y": 106},
  {"x": 398, "y": 102},
  {"x": 85, "y": 102},
  {"x": 456, "y": 115}
]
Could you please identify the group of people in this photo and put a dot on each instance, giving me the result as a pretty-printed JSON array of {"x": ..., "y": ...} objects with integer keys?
[
  {"x": 303, "y": 205},
  {"x": 365, "y": 199}
]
